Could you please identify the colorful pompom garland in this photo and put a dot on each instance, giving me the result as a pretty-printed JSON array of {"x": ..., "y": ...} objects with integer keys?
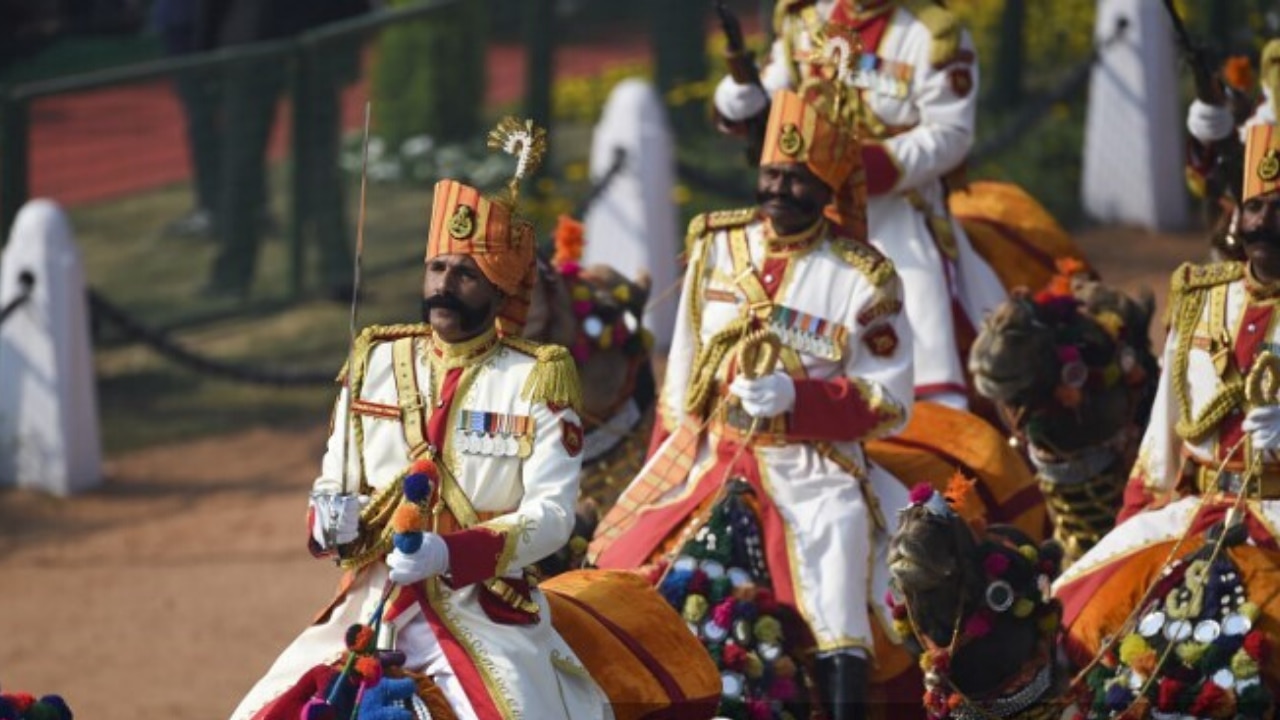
[
  {"x": 1058, "y": 306},
  {"x": 719, "y": 584},
  {"x": 1195, "y": 652},
  {"x": 24, "y": 706}
]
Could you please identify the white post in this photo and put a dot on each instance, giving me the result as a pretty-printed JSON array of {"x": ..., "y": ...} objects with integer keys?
[
  {"x": 49, "y": 436},
  {"x": 632, "y": 225},
  {"x": 1133, "y": 154}
]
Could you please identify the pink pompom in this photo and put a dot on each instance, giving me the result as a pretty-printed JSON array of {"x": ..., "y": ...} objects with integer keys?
[
  {"x": 722, "y": 615},
  {"x": 978, "y": 625},
  {"x": 784, "y": 689},
  {"x": 995, "y": 565},
  {"x": 581, "y": 308},
  {"x": 759, "y": 709},
  {"x": 921, "y": 493}
]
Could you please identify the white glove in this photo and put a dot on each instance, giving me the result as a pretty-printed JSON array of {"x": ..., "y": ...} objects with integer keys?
[
  {"x": 427, "y": 561},
  {"x": 1263, "y": 426},
  {"x": 347, "y": 522},
  {"x": 737, "y": 102},
  {"x": 1209, "y": 123},
  {"x": 767, "y": 396}
]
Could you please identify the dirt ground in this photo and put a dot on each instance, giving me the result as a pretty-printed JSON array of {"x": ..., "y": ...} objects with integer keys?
[{"x": 167, "y": 592}]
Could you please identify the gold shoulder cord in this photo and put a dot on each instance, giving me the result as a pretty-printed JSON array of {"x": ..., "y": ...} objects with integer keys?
[{"x": 1191, "y": 302}]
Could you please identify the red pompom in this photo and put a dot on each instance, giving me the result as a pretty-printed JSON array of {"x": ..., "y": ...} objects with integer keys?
[
  {"x": 765, "y": 601},
  {"x": 995, "y": 565},
  {"x": 1255, "y": 645},
  {"x": 920, "y": 494},
  {"x": 1210, "y": 697},
  {"x": 699, "y": 583},
  {"x": 425, "y": 466},
  {"x": 1168, "y": 695},
  {"x": 21, "y": 701},
  {"x": 733, "y": 656}
]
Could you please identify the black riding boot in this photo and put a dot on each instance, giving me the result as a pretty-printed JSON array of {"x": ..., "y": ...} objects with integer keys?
[{"x": 842, "y": 682}]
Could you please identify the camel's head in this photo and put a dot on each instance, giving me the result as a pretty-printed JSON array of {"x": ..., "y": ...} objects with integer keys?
[
  {"x": 597, "y": 313},
  {"x": 958, "y": 575},
  {"x": 1073, "y": 362}
]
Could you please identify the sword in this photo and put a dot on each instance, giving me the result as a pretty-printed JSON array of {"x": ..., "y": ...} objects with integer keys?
[
  {"x": 329, "y": 500},
  {"x": 1208, "y": 88}
]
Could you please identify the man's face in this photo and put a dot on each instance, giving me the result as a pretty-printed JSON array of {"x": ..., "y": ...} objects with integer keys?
[
  {"x": 1259, "y": 232},
  {"x": 791, "y": 196},
  {"x": 458, "y": 301}
]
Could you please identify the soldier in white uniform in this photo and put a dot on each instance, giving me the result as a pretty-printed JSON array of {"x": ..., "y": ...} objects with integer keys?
[
  {"x": 795, "y": 434},
  {"x": 917, "y": 78},
  {"x": 1205, "y": 432},
  {"x": 497, "y": 416}
]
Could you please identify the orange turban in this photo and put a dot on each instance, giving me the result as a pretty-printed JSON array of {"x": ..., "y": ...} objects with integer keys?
[
  {"x": 1261, "y": 161},
  {"x": 464, "y": 222},
  {"x": 799, "y": 131}
]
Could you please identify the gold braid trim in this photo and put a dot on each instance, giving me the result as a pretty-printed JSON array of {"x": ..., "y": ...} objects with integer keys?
[
  {"x": 707, "y": 361},
  {"x": 375, "y": 527},
  {"x": 878, "y": 268},
  {"x": 554, "y": 379},
  {"x": 361, "y": 349},
  {"x": 1190, "y": 289},
  {"x": 942, "y": 25}
]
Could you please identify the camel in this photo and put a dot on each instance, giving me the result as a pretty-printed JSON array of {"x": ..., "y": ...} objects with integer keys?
[
  {"x": 974, "y": 602},
  {"x": 1072, "y": 375}
]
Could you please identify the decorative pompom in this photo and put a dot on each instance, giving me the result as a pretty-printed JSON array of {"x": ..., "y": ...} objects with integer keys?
[
  {"x": 569, "y": 241},
  {"x": 1023, "y": 608},
  {"x": 1243, "y": 666},
  {"x": 995, "y": 564},
  {"x": 417, "y": 487},
  {"x": 1253, "y": 701},
  {"x": 978, "y": 625},
  {"x": 407, "y": 542},
  {"x": 1190, "y": 652},
  {"x": 1209, "y": 701},
  {"x": 675, "y": 586},
  {"x": 695, "y": 608},
  {"x": 359, "y": 638},
  {"x": 56, "y": 701},
  {"x": 921, "y": 493},
  {"x": 581, "y": 308},
  {"x": 21, "y": 701},
  {"x": 722, "y": 615},
  {"x": 1167, "y": 696},
  {"x": 767, "y": 630},
  {"x": 766, "y": 603},
  {"x": 369, "y": 668},
  {"x": 733, "y": 656},
  {"x": 759, "y": 709},
  {"x": 753, "y": 666},
  {"x": 1237, "y": 72},
  {"x": 698, "y": 582},
  {"x": 1255, "y": 644},
  {"x": 41, "y": 711},
  {"x": 1131, "y": 647},
  {"x": 409, "y": 518},
  {"x": 425, "y": 466},
  {"x": 784, "y": 667},
  {"x": 1145, "y": 663},
  {"x": 1119, "y": 697},
  {"x": 317, "y": 709}
]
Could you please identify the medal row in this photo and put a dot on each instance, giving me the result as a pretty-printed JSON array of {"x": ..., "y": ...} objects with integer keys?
[{"x": 498, "y": 434}]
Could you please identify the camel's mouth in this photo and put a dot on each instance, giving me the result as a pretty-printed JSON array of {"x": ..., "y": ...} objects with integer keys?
[{"x": 916, "y": 563}]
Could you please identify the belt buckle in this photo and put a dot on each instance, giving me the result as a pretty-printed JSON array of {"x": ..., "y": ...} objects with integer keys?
[{"x": 1230, "y": 481}]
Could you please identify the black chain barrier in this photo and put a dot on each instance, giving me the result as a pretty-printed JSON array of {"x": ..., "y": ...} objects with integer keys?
[
  {"x": 26, "y": 287},
  {"x": 103, "y": 309}
]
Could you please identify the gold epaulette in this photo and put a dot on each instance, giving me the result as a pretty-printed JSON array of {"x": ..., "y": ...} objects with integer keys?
[
  {"x": 1190, "y": 276},
  {"x": 554, "y": 379},
  {"x": 716, "y": 220},
  {"x": 943, "y": 25},
  {"x": 371, "y": 336},
  {"x": 870, "y": 261}
]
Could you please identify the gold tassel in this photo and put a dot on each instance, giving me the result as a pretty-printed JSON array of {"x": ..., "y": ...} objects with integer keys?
[{"x": 554, "y": 380}]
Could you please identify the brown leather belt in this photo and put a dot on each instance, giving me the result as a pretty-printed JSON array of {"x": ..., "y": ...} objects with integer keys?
[{"x": 1231, "y": 481}]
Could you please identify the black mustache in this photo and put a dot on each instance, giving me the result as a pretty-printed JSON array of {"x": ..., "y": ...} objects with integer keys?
[
  {"x": 792, "y": 202},
  {"x": 443, "y": 301}
]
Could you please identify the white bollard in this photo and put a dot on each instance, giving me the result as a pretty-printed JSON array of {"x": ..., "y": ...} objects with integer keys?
[
  {"x": 1133, "y": 153},
  {"x": 49, "y": 437},
  {"x": 632, "y": 226}
]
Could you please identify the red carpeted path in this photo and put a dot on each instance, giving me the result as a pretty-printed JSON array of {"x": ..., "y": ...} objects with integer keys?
[{"x": 106, "y": 143}]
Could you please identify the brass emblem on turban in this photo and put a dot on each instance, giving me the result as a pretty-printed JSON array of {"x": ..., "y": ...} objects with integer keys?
[
  {"x": 791, "y": 143},
  {"x": 463, "y": 222},
  {"x": 1269, "y": 166}
]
